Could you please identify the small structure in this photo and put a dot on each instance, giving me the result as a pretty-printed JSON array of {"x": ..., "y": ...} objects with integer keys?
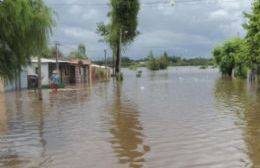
[
  {"x": 99, "y": 72},
  {"x": 47, "y": 67},
  {"x": 80, "y": 70},
  {"x": 71, "y": 71}
]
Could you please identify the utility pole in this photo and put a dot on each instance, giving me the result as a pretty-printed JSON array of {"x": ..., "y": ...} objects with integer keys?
[
  {"x": 119, "y": 47},
  {"x": 39, "y": 78},
  {"x": 57, "y": 55},
  {"x": 105, "y": 51},
  {"x": 106, "y": 63},
  {"x": 113, "y": 62}
]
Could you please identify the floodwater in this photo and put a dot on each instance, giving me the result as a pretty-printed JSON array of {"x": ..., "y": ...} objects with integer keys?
[{"x": 177, "y": 118}]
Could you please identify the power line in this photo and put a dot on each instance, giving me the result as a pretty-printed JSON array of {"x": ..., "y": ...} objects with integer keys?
[{"x": 171, "y": 2}]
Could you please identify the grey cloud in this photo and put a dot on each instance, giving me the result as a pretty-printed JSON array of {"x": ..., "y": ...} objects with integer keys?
[{"x": 188, "y": 30}]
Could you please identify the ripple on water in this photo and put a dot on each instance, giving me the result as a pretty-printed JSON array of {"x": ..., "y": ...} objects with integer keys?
[{"x": 175, "y": 118}]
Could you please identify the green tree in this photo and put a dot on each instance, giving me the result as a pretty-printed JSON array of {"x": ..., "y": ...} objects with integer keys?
[
  {"x": 80, "y": 53},
  {"x": 164, "y": 61},
  {"x": 232, "y": 55},
  {"x": 25, "y": 28},
  {"x": 217, "y": 53},
  {"x": 122, "y": 28},
  {"x": 152, "y": 62},
  {"x": 51, "y": 53},
  {"x": 253, "y": 35}
]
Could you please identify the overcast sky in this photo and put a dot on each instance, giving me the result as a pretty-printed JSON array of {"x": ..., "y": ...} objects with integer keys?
[{"x": 186, "y": 29}]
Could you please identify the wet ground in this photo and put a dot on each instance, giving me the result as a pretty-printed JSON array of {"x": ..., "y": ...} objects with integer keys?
[{"x": 181, "y": 117}]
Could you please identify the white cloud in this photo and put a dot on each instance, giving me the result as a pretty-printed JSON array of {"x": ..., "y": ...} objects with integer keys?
[{"x": 219, "y": 14}]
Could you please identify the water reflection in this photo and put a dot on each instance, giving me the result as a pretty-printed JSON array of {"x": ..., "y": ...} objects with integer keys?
[
  {"x": 127, "y": 131},
  {"x": 243, "y": 99},
  {"x": 3, "y": 118},
  {"x": 23, "y": 144}
]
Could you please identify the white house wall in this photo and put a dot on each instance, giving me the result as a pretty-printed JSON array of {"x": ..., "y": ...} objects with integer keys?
[{"x": 45, "y": 72}]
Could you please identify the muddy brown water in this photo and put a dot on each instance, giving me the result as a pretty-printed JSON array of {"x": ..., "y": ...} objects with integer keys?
[{"x": 177, "y": 118}]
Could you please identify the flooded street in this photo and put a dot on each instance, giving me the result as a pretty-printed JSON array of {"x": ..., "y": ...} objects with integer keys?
[{"x": 181, "y": 117}]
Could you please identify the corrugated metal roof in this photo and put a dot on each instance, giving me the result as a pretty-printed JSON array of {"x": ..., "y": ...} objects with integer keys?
[{"x": 45, "y": 60}]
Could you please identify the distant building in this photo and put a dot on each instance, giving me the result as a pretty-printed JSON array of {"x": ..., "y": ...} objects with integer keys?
[{"x": 71, "y": 72}]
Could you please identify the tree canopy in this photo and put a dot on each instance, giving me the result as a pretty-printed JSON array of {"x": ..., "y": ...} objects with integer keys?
[
  {"x": 80, "y": 53},
  {"x": 122, "y": 28},
  {"x": 158, "y": 63},
  {"x": 253, "y": 33},
  {"x": 231, "y": 55},
  {"x": 25, "y": 28},
  {"x": 242, "y": 54},
  {"x": 51, "y": 53}
]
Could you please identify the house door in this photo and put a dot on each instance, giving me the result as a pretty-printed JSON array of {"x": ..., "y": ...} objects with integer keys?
[{"x": 72, "y": 74}]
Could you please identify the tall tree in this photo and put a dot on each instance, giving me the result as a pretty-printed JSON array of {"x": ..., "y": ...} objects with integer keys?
[
  {"x": 41, "y": 28},
  {"x": 15, "y": 30},
  {"x": 25, "y": 28},
  {"x": 232, "y": 55},
  {"x": 122, "y": 28},
  {"x": 80, "y": 53},
  {"x": 253, "y": 35},
  {"x": 51, "y": 53}
]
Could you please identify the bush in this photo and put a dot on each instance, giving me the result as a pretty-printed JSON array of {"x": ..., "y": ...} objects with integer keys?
[
  {"x": 227, "y": 65},
  {"x": 119, "y": 77},
  {"x": 155, "y": 64},
  {"x": 101, "y": 73},
  {"x": 241, "y": 72},
  {"x": 163, "y": 62}
]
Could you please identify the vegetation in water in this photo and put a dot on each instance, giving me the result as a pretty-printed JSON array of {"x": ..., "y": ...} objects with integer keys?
[
  {"x": 238, "y": 55},
  {"x": 232, "y": 56},
  {"x": 101, "y": 74}
]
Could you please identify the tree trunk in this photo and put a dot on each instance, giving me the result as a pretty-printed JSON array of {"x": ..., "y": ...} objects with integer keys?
[
  {"x": 19, "y": 80},
  {"x": 252, "y": 75},
  {"x": 117, "y": 66},
  {"x": 39, "y": 79},
  {"x": 113, "y": 62},
  {"x": 16, "y": 80}
]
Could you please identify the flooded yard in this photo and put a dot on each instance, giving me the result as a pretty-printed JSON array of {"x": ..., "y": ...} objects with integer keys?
[{"x": 182, "y": 117}]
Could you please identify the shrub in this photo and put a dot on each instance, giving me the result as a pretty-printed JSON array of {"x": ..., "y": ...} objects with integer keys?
[{"x": 101, "y": 73}]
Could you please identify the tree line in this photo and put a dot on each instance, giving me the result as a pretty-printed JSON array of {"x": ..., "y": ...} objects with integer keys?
[
  {"x": 157, "y": 62},
  {"x": 237, "y": 56}
]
